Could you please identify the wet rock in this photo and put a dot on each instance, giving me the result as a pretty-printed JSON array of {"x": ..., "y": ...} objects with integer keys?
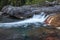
[
  {"x": 53, "y": 20},
  {"x": 52, "y": 36},
  {"x": 18, "y": 12},
  {"x": 25, "y": 34},
  {"x": 27, "y": 11}
]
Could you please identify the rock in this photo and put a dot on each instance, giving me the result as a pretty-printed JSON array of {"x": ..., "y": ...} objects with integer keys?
[
  {"x": 53, "y": 20},
  {"x": 47, "y": 3},
  {"x": 27, "y": 11},
  {"x": 52, "y": 36},
  {"x": 18, "y": 12}
]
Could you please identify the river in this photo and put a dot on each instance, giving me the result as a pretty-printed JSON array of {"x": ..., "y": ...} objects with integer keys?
[{"x": 36, "y": 19}]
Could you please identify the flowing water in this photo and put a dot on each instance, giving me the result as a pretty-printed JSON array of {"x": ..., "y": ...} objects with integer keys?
[{"x": 37, "y": 18}]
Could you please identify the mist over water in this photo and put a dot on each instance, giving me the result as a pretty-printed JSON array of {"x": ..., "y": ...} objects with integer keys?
[{"x": 37, "y": 18}]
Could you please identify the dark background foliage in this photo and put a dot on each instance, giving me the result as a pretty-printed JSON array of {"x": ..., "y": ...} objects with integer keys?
[{"x": 20, "y": 2}]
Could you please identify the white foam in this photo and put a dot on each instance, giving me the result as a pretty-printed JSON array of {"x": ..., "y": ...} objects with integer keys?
[{"x": 36, "y": 18}]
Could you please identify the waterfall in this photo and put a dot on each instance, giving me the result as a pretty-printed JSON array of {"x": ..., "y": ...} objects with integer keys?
[{"x": 37, "y": 18}]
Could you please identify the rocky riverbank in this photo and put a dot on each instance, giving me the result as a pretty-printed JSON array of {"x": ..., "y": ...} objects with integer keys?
[
  {"x": 28, "y": 11},
  {"x": 31, "y": 27}
]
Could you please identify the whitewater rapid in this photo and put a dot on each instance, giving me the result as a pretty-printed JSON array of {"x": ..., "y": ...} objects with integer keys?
[{"x": 41, "y": 17}]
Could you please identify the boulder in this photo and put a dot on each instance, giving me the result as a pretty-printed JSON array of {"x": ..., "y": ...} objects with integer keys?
[
  {"x": 17, "y": 12},
  {"x": 53, "y": 20},
  {"x": 27, "y": 11},
  {"x": 24, "y": 12}
]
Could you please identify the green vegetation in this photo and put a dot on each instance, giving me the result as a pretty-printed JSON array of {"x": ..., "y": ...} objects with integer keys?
[
  {"x": 20, "y": 2},
  {"x": 35, "y": 1}
]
